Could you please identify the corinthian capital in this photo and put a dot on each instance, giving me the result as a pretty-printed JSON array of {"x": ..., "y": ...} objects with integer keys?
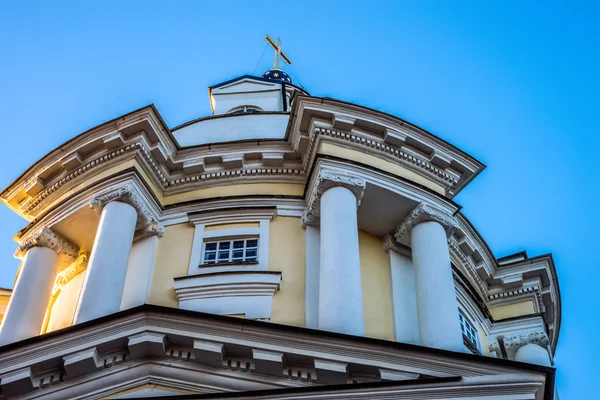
[
  {"x": 422, "y": 213},
  {"x": 147, "y": 223},
  {"x": 328, "y": 179},
  {"x": 513, "y": 343},
  {"x": 44, "y": 237}
]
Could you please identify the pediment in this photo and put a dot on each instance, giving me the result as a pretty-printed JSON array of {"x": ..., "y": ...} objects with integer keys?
[{"x": 246, "y": 85}]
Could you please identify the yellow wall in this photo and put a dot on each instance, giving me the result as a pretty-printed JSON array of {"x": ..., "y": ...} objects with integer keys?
[
  {"x": 232, "y": 226},
  {"x": 368, "y": 159},
  {"x": 172, "y": 260},
  {"x": 63, "y": 309},
  {"x": 485, "y": 346},
  {"x": 3, "y": 304},
  {"x": 376, "y": 290},
  {"x": 512, "y": 310},
  {"x": 290, "y": 189},
  {"x": 287, "y": 254}
]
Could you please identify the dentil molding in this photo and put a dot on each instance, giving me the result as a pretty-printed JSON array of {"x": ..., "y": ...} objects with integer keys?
[
  {"x": 44, "y": 237},
  {"x": 423, "y": 213},
  {"x": 147, "y": 221},
  {"x": 329, "y": 179}
]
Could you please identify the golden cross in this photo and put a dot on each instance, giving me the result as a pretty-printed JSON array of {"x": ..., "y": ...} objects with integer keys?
[{"x": 278, "y": 52}]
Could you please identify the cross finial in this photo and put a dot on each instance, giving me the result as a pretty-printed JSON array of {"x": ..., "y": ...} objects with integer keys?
[{"x": 278, "y": 52}]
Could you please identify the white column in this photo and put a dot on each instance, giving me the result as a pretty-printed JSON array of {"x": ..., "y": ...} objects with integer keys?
[
  {"x": 139, "y": 272},
  {"x": 427, "y": 229},
  {"x": 26, "y": 309},
  {"x": 313, "y": 255},
  {"x": 534, "y": 354},
  {"x": 404, "y": 298},
  {"x": 437, "y": 307},
  {"x": 340, "y": 289},
  {"x": 104, "y": 281}
]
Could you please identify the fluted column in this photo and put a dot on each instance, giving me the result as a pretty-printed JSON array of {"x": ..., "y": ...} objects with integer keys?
[
  {"x": 122, "y": 211},
  {"x": 41, "y": 254},
  {"x": 428, "y": 229},
  {"x": 336, "y": 198}
]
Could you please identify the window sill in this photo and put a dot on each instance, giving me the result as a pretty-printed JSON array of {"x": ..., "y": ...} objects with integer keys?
[{"x": 228, "y": 264}]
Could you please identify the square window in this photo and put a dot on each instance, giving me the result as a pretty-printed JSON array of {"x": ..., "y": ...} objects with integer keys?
[{"x": 230, "y": 251}]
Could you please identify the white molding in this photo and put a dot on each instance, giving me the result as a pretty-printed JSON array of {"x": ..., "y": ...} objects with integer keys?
[{"x": 249, "y": 293}]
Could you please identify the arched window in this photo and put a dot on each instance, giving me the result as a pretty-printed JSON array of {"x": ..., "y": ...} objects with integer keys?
[{"x": 246, "y": 109}]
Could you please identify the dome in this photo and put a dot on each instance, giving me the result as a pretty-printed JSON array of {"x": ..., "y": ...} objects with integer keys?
[{"x": 277, "y": 75}]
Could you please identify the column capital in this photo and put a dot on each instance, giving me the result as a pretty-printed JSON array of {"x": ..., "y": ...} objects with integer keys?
[
  {"x": 308, "y": 219},
  {"x": 147, "y": 223},
  {"x": 44, "y": 237},
  {"x": 423, "y": 213},
  {"x": 328, "y": 179},
  {"x": 513, "y": 343}
]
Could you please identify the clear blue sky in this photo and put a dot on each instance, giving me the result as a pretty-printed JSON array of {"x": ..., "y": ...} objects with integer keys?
[{"x": 515, "y": 84}]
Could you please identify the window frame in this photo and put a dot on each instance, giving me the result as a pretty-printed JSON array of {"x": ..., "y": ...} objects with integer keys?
[
  {"x": 473, "y": 336},
  {"x": 245, "y": 259}
]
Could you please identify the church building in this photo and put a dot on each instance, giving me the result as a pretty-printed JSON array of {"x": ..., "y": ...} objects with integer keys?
[{"x": 288, "y": 246}]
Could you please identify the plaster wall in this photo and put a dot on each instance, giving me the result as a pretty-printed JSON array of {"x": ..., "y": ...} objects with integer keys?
[
  {"x": 287, "y": 254},
  {"x": 172, "y": 260},
  {"x": 379, "y": 163},
  {"x": 3, "y": 304},
  {"x": 512, "y": 310},
  {"x": 376, "y": 290},
  {"x": 63, "y": 309},
  {"x": 234, "y": 127},
  {"x": 285, "y": 189},
  {"x": 266, "y": 100}
]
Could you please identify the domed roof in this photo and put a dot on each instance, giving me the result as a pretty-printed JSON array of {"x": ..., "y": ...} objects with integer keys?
[{"x": 276, "y": 74}]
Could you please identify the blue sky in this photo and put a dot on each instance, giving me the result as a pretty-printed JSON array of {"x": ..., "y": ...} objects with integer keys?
[{"x": 513, "y": 83}]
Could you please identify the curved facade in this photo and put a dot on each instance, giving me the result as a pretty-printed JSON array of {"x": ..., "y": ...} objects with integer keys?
[{"x": 280, "y": 212}]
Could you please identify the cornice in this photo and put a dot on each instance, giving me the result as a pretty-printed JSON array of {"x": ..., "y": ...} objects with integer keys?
[{"x": 44, "y": 237}]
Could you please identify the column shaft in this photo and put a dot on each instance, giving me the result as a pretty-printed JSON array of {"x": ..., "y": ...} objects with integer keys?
[
  {"x": 313, "y": 255},
  {"x": 27, "y": 306},
  {"x": 105, "y": 277},
  {"x": 340, "y": 289},
  {"x": 437, "y": 307},
  {"x": 139, "y": 272},
  {"x": 404, "y": 298}
]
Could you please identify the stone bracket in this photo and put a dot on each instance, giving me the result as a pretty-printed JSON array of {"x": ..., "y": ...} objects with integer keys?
[
  {"x": 17, "y": 382},
  {"x": 147, "y": 344},
  {"x": 207, "y": 352},
  {"x": 331, "y": 372},
  {"x": 268, "y": 362},
  {"x": 82, "y": 363}
]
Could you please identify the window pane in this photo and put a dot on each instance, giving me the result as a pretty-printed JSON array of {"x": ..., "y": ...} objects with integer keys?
[
  {"x": 238, "y": 254},
  {"x": 224, "y": 245},
  {"x": 211, "y": 246},
  {"x": 250, "y": 259},
  {"x": 238, "y": 244},
  {"x": 223, "y": 255},
  {"x": 251, "y": 243},
  {"x": 209, "y": 256},
  {"x": 250, "y": 253}
]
